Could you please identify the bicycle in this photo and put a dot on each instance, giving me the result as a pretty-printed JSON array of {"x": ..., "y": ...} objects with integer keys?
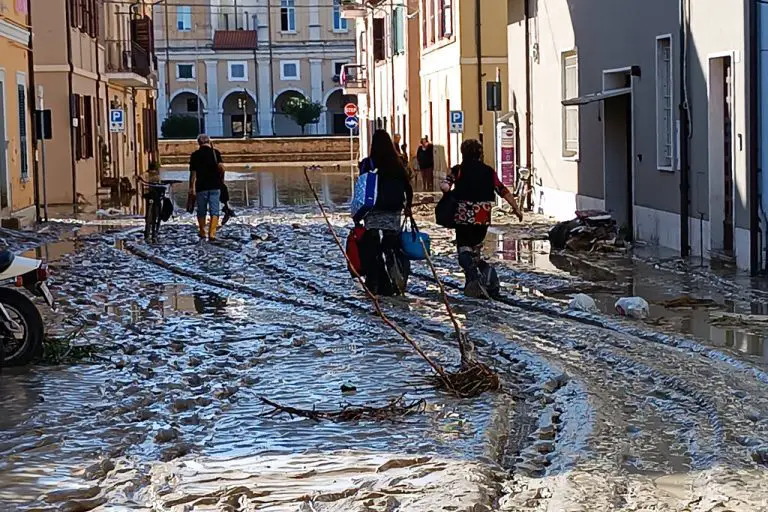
[
  {"x": 524, "y": 188},
  {"x": 159, "y": 207}
]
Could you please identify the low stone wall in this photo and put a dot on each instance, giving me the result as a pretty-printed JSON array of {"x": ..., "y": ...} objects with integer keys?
[{"x": 264, "y": 150}]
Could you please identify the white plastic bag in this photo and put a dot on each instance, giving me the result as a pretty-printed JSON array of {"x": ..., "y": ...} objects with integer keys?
[
  {"x": 583, "y": 302},
  {"x": 632, "y": 307}
]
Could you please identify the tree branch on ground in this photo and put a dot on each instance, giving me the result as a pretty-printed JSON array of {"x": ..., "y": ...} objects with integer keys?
[{"x": 396, "y": 408}]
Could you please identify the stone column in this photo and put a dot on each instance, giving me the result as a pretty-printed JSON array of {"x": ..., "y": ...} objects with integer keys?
[
  {"x": 316, "y": 84},
  {"x": 314, "y": 20},
  {"x": 162, "y": 99},
  {"x": 264, "y": 95},
  {"x": 213, "y": 124}
]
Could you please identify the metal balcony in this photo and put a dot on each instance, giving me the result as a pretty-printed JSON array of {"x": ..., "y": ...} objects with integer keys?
[
  {"x": 351, "y": 9},
  {"x": 130, "y": 65},
  {"x": 354, "y": 79}
]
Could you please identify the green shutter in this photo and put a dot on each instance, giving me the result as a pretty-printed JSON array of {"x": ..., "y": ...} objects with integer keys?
[{"x": 398, "y": 33}]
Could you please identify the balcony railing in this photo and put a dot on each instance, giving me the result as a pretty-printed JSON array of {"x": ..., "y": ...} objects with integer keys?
[
  {"x": 128, "y": 57},
  {"x": 354, "y": 79},
  {"x": 353, "y": 8}
]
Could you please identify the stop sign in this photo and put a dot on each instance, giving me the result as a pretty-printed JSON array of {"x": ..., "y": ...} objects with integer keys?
[{"x": 350, "y": 109}]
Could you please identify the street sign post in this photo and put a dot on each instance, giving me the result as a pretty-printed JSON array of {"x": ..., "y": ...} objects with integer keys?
[
  {"x": 351, "y": 123},
  {"x": 350, "y": 109},
  {"x": 116, "y": 120}
]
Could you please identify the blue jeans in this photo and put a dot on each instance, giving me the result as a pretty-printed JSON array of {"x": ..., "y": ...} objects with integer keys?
[{"x": 208, "y": 201}]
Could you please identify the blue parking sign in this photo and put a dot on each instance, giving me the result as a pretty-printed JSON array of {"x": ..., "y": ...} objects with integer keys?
[
  {"x": 116, "y": 120},
  {"x": 457, "y": 121}
]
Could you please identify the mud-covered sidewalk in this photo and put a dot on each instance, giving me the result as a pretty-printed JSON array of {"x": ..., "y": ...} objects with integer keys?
[{"x": 596, "y": 413}]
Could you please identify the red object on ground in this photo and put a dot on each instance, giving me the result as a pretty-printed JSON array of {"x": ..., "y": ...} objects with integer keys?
[{"x": 354, "y": 239}]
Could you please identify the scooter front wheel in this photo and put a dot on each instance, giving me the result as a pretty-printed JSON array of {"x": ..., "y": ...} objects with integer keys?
[{"x": 24, "y": 343}]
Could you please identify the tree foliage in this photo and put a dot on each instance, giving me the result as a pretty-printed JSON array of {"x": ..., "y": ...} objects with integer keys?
[
  {"x": 180, "y": 126},
  {"x": 303, "y": 111}
]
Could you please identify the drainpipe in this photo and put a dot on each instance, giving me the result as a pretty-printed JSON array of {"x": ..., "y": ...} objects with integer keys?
[
  {"x": 479, "y": 51},
  {"x": 392, "y": 69},
  {"x": 754, "y": 160},
  {"x": 70, "y": 90},
  {"x": 32, "y": 100},
  {"x": 684, "y": 176},
  {"x": 135, "y": 134},
  {"x": 528, "y": 105}
]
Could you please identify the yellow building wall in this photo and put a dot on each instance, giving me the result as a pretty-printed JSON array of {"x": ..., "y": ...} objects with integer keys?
[{"x": 14, "y": 67}]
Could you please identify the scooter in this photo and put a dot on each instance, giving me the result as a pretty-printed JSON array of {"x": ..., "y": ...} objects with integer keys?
[
  {"x": 588, "y": 227},
  {"x": 21, "y": 325}
]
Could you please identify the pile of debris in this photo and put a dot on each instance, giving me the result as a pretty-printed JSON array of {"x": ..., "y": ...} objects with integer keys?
[{"x": 591, "y": 230}]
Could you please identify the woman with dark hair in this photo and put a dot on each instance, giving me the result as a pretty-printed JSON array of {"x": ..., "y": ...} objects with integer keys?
[
  {"x": 380, "y": 248},
  {"x": 474, "y": 187}
]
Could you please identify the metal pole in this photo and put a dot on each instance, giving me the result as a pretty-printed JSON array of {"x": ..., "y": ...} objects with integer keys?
[
  {"x": 197, "y": 86},
  {"x": 40, "y": 93},
  {"x": 245, "y": 113}
]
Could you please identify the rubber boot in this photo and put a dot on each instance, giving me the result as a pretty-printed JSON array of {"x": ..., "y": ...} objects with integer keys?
[
  {"x": 201, "y": 227},
  {"x": 212, "y": 228}
]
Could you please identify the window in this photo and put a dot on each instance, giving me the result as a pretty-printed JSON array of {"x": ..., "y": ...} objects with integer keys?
[
  {"x": 446, "y": 18},
  {"x": 184, "y": 18},
  {"x": 570, "y": 85},
  {"x": 378, "y": 39},
  {"x": 424, "y": 36},
  {"x": 289, "y": 70},
  {"x": 339, "y": 23},
  {"x": 398, "y": 31},
  {"x": 288, "y": 15},
  {"x": 23, "y": 156},
  {"x": 238, "y": 72},
  {"x": 664, "y": 115},
  {"x": 338, "y": 67},
  {"x": 185, "y": 72},
  {"x": 192, "y": 104}
]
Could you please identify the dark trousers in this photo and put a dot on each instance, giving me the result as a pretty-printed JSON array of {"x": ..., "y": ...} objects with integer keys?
[
  {"x": 377, "y": 253},
  {"x": 427, "y": 179},
  {"x": 469, "y": 240}
]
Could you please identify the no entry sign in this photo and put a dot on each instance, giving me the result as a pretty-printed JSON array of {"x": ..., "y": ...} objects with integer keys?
[{"x": 350, "y": 109}]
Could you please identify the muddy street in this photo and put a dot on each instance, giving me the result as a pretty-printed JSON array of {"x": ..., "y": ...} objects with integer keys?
[{"x": 163, "y": 410}]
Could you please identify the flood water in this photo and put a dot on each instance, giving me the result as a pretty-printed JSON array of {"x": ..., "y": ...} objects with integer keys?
[{"x": 188, "y": 337}]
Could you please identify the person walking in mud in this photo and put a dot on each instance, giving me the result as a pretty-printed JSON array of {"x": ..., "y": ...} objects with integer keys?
[
  {"x": 381, "y": 253},
  {"x": 474, "y": 185},
  {"x": 206, "y": 177}
]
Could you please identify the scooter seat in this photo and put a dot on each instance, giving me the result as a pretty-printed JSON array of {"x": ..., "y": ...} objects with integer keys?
[{"x": 6, "y": 259}]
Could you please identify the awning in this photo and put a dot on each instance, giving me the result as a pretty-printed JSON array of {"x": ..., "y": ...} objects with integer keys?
[{"x": 597, "y": 96}]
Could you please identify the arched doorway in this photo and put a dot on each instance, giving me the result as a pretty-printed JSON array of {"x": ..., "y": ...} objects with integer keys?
[
  {"x": 284, "y": 124},
  {"x": 189, "y": 104},
  {"x": 238, "y": 113},
  {"x": 334, "y": 112}
]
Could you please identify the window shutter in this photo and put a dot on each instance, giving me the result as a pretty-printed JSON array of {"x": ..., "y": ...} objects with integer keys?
[{"x": 77, "y": 132}]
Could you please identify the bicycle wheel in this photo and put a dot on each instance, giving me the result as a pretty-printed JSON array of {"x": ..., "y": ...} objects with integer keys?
[
  {"x": 156, "y": 220},
  {"x": 149, "y": 220}
]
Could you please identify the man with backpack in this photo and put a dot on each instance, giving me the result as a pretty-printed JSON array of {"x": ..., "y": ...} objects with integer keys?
[{"x": 206, "y": 177}]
